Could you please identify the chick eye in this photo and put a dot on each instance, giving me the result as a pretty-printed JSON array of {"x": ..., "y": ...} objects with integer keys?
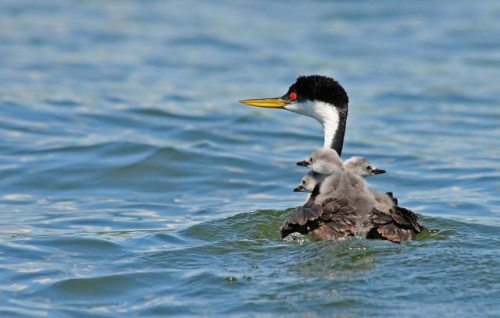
[
  {"x": 293, "y": 96},
  {"x": 303, "y": 181},
  {"x": 369, "y": 168}
]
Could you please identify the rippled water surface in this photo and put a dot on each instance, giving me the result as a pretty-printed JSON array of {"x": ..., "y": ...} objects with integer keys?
[{"x": 134, "y": 184}]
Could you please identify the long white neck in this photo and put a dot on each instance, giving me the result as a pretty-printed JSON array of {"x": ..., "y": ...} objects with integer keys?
[
  {"x": 328, "y": 116},
  {"x": 330, "y": 124}
]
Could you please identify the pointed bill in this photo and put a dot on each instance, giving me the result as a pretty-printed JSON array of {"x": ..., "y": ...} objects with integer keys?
[{"x": 277, "y": 102}]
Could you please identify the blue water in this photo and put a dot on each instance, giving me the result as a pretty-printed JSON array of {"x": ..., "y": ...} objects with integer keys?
[{"x": 134, "y": 184}]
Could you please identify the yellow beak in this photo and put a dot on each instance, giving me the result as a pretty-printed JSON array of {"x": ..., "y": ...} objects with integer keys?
[{"x": 266, "y": 102}]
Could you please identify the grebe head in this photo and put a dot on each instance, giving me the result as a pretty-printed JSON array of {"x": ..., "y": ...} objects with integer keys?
[{"x": 316, "y": 96}]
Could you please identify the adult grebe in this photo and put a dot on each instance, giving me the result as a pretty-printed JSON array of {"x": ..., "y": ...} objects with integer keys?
[{"x": 341, "y": 205}]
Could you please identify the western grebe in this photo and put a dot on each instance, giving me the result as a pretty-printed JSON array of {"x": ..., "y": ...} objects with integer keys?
[{"x": 341, "y": 204}]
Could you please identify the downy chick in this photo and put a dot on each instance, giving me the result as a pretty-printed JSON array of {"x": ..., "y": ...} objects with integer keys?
[
  {"x": 341, "y": 204},
  {"x": 325, "y": 161}
]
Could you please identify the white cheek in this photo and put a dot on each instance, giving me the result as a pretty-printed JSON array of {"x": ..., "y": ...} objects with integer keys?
[
  {"x": 305, "y": 108},
  {"x": 295, "y": 107},
  {"x": 309, "y": 187}
]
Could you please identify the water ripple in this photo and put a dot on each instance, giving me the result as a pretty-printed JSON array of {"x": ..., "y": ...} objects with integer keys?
[{"x": 134, "y": 184}]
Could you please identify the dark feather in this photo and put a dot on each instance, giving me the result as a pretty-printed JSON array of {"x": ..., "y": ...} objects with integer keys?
[
  {"x": 300, "y": 219},
  {"x": 341, "y": 222},
  {"x": 334, "y": 219},
  {"x": 397, "y": 225}
]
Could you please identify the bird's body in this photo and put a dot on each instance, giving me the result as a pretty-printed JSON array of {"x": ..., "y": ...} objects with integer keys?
[
  {"x": 340, "y": 204},
  {"x": 351, "y": 188},
  {"x": 343, "y": 200}
]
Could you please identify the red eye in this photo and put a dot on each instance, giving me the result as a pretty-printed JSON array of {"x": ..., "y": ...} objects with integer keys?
[{"x": 293, "y": 96}]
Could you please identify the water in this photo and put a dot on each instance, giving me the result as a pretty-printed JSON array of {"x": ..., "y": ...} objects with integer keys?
[{"x": 134, "y": 184}]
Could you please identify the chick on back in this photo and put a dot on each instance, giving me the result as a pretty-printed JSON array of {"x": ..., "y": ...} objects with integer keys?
[
  {"x": 362, "y": 167},
  {"x": 326, "y": 161},
  {"x": 323, "y": 161},
  {"x": 341, "y": 204}
]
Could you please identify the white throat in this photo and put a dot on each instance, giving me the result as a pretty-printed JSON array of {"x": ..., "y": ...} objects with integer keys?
[{"x": 326, "y": 114}]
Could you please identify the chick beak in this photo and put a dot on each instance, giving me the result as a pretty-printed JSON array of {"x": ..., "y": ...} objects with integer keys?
[
  {"x": 303, "y": 163},
  {"x": 300, "y": 188},
  {"x": 378, "y": 171}
]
